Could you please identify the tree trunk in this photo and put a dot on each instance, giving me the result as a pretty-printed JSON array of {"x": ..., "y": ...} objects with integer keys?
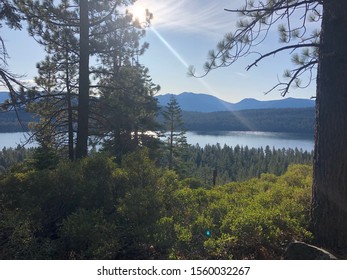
[
  {"x": 329, "y": 204},
  {"x": 70, "y": 126},
  {"x": 69, "y": 105},
  {"x": 83, "y": 95}
]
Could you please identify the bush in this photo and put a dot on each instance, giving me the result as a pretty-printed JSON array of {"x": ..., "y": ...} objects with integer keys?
[
  {"x": 86, "y": 234},
  {"x": 95, "y": 209},
  {"x": 255, "y": 219}
]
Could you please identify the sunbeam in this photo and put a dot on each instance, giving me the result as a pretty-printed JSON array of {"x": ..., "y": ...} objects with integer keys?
[
  {"x": 189, "y": 16},
  {"x": 201, "y": 80},
  {"x": 170, "y": 48},
  {"x": 180, "y": 58}
]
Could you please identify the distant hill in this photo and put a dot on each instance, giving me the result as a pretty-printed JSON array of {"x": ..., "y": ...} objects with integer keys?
[
  {"x": 9, "y": 121},
  {"x": 295, "y": 120},
  {"x": 198, "y": 102},
  {"x": 203, "y": 112}
]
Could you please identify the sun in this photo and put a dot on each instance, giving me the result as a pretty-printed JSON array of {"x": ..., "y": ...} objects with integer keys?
[{"x": 139, "y": 13}]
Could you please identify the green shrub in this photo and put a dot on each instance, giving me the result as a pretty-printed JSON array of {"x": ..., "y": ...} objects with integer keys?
[
  {"x": 95, "y": 209},
  {"x": 255, "y": 219},
  {"x": 86, "y": 234}
]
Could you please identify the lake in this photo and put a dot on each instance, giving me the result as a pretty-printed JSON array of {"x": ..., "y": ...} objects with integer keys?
[{"x": 231, "y": 138}]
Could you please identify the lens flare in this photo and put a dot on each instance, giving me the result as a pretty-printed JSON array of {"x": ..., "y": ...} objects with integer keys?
[
  {"x": 139, "y": 13},
  {"x": 201, "y": 80}
]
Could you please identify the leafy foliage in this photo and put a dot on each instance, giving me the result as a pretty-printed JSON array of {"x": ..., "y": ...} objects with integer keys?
[
  {"x": 10, "y": 157},
  {"x": 250, "y": 220},
  {"x": 96, "y": 209}
]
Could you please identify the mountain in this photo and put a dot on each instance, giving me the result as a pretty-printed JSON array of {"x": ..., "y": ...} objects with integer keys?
[
  {"x": 294, "y": 120},
  {"x": 198, "y": 102}
]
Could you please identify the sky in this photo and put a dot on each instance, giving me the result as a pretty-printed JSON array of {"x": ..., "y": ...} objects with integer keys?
[{"x": 181, "y": 34}]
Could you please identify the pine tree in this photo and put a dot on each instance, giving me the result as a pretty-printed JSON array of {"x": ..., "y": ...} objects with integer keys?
[
  {"x": 93, "y": 26},
  {"x": 326, "y": 49},
  {"x": 127, "y": 112},
  {"x": 173, "y": 130},
  {"x": 329, "y": 209},
  {"x": 127, "y": 107},
  {"x": 10, "y": 15},
  {"x": 56, "y": 94}
]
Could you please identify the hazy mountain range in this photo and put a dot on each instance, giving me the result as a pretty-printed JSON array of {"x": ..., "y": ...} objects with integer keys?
[
  {"x": 202, "y": 112},
  {"x": 198, "y": 102},
  {"x": 205, "y": 103}
]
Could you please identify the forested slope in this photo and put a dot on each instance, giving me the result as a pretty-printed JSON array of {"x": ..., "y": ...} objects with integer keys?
[
  {"x": 15, "y": 122},
  {"x": 274, "y": 120},
  {"x": 96, "y": 209},
  {"x": 237, "y": 163}
]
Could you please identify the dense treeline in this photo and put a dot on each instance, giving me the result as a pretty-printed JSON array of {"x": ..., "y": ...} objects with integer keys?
[
  {"x": 237, "y": 163},
  {"x": 198, "y": 163},
  {"x": 15, "y": 121},
  {"x": 273, "y": 120},
  {"x": 300, "y": 120},
  {"x": 97, "y": 209},
  {"x": 10, "y": 157}
]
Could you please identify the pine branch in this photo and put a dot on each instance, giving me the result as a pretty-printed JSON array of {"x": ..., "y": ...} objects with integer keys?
[{"x": 291, "y": 47}]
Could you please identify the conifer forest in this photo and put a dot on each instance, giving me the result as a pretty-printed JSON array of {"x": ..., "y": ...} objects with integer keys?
[{"x": 113, "y": 177}]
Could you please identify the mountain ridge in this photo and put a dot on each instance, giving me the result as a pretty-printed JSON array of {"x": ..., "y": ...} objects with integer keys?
[{"x": 205, "y": 103}]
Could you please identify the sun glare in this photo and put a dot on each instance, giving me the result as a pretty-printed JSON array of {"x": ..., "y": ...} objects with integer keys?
[{"x": 139, "y": 13}]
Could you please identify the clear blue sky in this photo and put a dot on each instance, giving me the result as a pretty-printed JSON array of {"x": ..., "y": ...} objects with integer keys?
[{"x": 182, "y": 33}]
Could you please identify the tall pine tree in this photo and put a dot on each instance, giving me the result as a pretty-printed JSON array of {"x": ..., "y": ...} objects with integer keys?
[
  {"x": 173, "y": 130},
  {"x": 92, "y": 24},
  {"x": 127, "y": 107},
  {"x": 325, "y": 48},
  {"x": 56, "y": 94}
]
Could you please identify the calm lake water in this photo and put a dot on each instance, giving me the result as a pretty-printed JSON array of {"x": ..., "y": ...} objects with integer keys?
[{"x": 231, "y": 138}]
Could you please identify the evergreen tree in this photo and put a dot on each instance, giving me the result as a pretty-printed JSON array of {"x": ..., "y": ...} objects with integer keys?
[
  {"x": 10, "y": 15},
  {"x": 173, "y": 130},
  {"x": 84, "y": 18},
  {"x": 128, "y": 113},
  {"x": 329, "y": 208},
  {"x": 127, "y": 107},
  {"x": 83, "y": 87},
  {"x": 325, "y": 48},
  {"x": 56, "y": 96},
  {"x": 72, "y": 33}
]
